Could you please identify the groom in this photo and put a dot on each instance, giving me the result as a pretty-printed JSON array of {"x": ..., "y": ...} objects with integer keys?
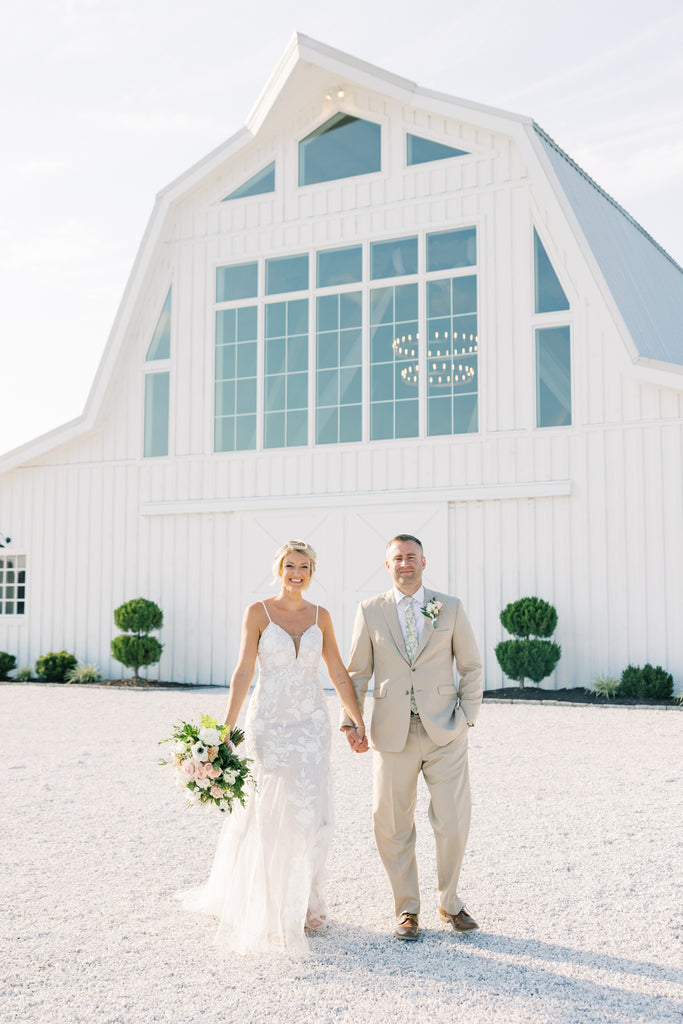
[{"x": 408, "y": 639}]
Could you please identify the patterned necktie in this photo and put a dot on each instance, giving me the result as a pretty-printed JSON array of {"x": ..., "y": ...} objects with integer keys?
[
  {"x": 411, "y": 643},
  {"x": 411, "y": 629}
]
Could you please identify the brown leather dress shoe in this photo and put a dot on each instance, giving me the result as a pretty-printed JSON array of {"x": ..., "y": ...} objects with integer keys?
[
  {"x": 407, "y": 927},
  {"x": 462, "y": 922}
]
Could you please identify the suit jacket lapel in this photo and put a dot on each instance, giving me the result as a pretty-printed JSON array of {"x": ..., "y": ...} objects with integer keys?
[
  {"x": 391, "y": 615},
  {"x": 427, "y": 628}
]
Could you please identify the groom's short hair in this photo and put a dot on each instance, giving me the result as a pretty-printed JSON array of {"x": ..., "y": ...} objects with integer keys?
[{"x": 405, "y": 537}]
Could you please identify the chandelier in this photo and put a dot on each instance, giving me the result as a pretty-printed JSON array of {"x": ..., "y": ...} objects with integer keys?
[{"x": 447, "y": 360}]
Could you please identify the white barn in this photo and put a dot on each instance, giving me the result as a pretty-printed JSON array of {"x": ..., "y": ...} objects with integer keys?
[{"x": 375, "y": 309}]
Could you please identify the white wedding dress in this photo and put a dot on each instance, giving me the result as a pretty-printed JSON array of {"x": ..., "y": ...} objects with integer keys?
[{"x": 268, "y": 876}]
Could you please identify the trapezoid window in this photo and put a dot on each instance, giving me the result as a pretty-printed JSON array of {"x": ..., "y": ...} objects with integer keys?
[
  {"x": 342, "y": 147},
  {"x": 423, "y": 151},
  {"x": 260, "y": 183},
  {"x": 549, "y": 294},
  {"x": 160, "y": 345}
]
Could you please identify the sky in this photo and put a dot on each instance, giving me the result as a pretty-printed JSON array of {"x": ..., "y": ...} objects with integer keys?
[{"x": 103, "y": 103}]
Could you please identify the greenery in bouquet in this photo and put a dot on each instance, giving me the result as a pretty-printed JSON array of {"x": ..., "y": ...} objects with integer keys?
[{"x": 206, "y": 764}]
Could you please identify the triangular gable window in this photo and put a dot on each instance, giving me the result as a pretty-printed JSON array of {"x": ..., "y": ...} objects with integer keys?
[
  {"x": 550, "y": 295},
  {"x": 423, "y": 151},
  {"x": 258, "y": 185},
  {"x": 160, "y": 345},
  {"x": 342, "y": 147}
]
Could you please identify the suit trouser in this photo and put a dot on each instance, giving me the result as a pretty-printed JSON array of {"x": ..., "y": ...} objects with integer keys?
[{"x": 446, "y": 773}]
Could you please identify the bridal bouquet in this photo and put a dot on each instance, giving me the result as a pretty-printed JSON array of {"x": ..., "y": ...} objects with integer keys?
[{"x": 206, "y": 764}]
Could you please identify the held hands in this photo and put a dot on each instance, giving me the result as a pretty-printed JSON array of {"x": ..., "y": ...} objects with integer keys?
[{"x": 357, "y": 739}]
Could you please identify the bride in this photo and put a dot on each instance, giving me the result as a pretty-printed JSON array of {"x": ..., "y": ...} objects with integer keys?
[{"x": 267, "y": 883}]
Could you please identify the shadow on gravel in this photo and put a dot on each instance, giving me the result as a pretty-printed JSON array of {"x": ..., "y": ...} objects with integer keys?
[{"x": 500, "y": 965}]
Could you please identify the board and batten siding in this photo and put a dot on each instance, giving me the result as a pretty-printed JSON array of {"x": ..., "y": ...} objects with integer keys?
[
  {"x": 597, "y": 551},
  {"x": 587, "y": 516}
]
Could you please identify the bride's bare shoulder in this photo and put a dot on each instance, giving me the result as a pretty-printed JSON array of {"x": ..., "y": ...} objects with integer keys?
[
  {"x": 324, "y": 617},
  {"x": 255, "y": 614}
]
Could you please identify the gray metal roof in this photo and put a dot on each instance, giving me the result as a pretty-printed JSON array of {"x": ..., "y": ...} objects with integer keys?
[{"x": 646, "y": 283}]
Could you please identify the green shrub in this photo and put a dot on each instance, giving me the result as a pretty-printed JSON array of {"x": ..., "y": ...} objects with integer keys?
[
  {"x": 135, "y": 648},
  {"x": 528, "y": 657},
  {"x": 136, "y": 651},
  {"x": 605, "y": 686},
  {"x": 54, "y": 666},
  {"x": 139, "y": 616},
  {"x": 83, "y": 674},
  {"x": 7, "y": 664},
  {"x": 530, "y": 616},
  {"x": 24, "y": 675},
  {"x": 648, "y": 682}
]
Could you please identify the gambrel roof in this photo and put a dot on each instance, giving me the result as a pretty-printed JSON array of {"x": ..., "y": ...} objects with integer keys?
[
  {"x": 645, "y": 283},
  {"x": 642, "y": 285}
]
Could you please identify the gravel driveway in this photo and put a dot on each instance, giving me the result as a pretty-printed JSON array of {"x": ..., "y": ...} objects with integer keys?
[{"x": 573, "y": 871}]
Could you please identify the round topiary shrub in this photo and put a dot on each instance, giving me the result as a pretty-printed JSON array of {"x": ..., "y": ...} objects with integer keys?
[
  {"x": 135, "y": 648},
  {"x": 531, "y": 655},
  {"x": 53, "y": 666},
  {"x": 528, "y": 659},
  {"x": 7, "y": 664},
  {"x": 530, "y": 616},
  {"x": 646, "y": 682},
  {"x": 136, "y": 652},
  {"x": 139, "y": 616}
]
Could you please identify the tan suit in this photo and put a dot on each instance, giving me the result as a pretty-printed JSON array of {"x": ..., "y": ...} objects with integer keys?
[{"x": 434, "y": 744}]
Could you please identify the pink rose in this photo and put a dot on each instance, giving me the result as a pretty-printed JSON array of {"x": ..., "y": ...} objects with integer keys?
[
  {"x": 202, "y": 770},
  {"x": 216, "y": 792},
  {"x": 188, "y": 769},
  {"x": 212, "y": 753},
  {"x": 214, "y": 773}
]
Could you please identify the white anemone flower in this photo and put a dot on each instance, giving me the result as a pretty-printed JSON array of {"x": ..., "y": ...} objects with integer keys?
[{"x": 198, "y": 751}]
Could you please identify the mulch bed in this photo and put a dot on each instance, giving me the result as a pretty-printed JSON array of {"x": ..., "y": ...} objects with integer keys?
[
  {"x": 139, "y": 684},
  {"x": 573, "y": 695}
]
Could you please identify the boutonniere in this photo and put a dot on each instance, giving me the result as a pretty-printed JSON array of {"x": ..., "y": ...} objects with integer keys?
[{"x": 431, "y": 610}]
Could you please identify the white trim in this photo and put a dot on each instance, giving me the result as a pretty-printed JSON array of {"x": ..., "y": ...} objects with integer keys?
[{"x": 485, "y": 492}]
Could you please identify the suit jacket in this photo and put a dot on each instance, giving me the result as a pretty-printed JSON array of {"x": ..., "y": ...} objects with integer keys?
[{"x": 377, "y": 648}]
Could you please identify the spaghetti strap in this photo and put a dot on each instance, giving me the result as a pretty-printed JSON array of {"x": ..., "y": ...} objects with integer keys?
[{"x": 266, "y": 611}]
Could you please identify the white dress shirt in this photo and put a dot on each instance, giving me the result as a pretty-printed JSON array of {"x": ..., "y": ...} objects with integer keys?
[{"x": 419, "y": 598}]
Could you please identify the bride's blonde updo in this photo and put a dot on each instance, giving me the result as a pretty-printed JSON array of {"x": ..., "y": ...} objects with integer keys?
[{"x": 292, "y": 545}]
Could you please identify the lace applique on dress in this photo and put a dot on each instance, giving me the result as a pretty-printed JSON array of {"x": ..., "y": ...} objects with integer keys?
[{"x": 269, "y": 869}]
